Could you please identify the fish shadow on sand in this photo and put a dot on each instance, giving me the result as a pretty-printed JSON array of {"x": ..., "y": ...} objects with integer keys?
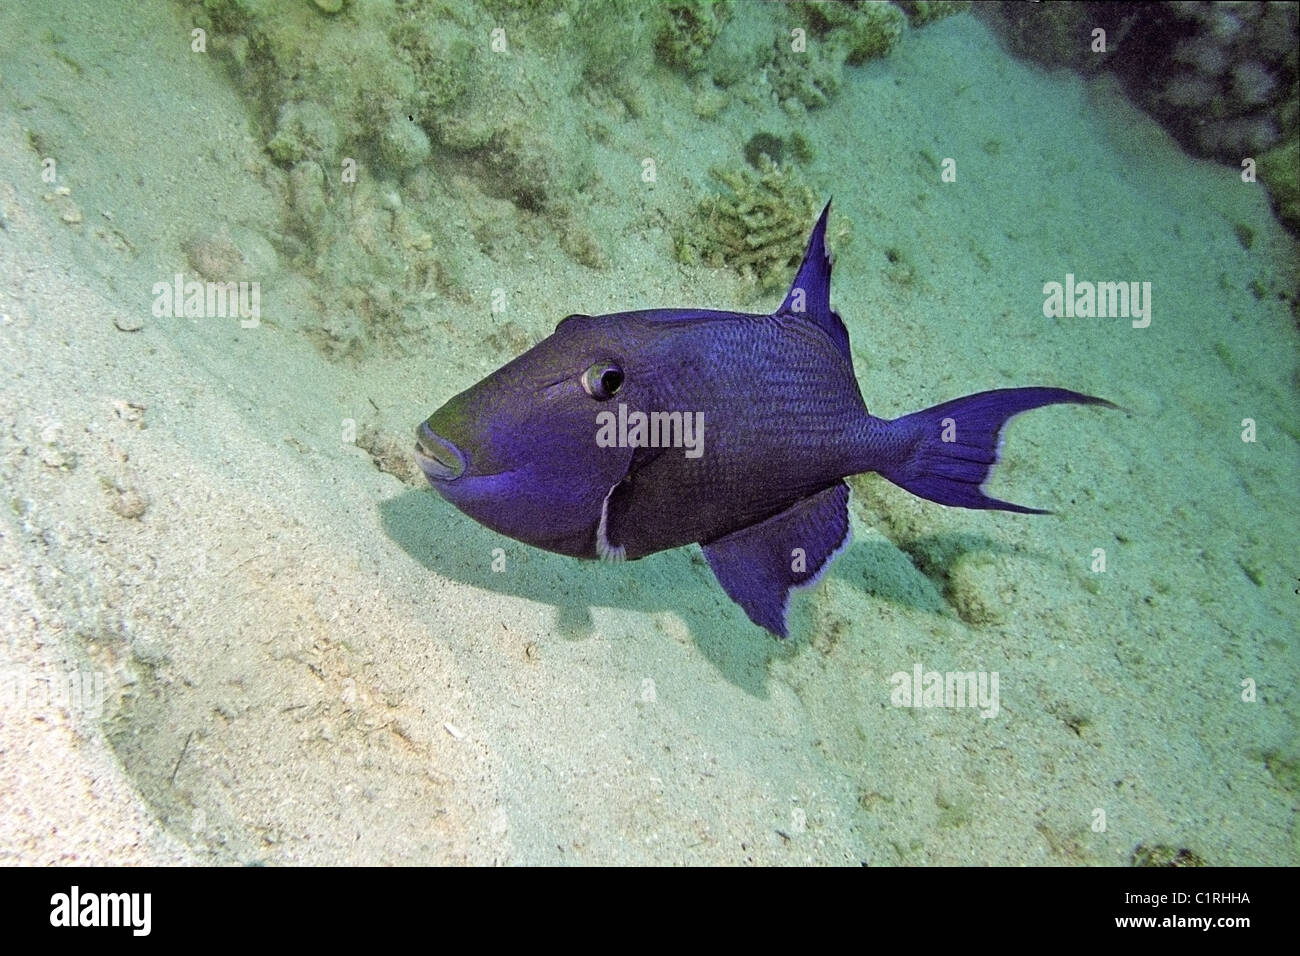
[{"x": 676, "y": 581}]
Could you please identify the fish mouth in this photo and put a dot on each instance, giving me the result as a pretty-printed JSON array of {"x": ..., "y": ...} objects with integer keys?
[{"x": 438, "y": 458}]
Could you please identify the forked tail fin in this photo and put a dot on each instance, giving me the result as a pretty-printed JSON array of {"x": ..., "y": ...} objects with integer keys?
[{"x": 954, "y": 446}]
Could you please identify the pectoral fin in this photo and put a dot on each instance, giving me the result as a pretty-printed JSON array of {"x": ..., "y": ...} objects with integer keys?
[{"x": 758, "y": 566}]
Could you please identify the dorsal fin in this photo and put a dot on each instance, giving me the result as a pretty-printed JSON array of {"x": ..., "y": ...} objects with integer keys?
[{"x": 810, "y": 293}]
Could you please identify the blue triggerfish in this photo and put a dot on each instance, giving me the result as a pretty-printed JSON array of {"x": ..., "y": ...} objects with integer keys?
[{"x": 625, "y": 434}]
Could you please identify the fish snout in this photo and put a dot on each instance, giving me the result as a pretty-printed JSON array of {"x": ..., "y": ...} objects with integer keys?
[{"x": 438, "y": 458}]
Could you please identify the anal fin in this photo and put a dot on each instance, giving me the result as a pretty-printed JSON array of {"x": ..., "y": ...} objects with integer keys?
[{"x": 758, "y": 566}]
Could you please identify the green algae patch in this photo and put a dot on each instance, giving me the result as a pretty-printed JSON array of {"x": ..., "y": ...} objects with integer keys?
[
  {"x": 865, "y": 30},
  {"x": 921, "y": 12},
  {"x": 1279, "y": 170},
  {"x": 686, "y": 30},
  {"x": 778, "y": 149},
  {"x": 1163, "y": 855}
]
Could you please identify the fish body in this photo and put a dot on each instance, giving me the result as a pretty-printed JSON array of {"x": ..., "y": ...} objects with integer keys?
[{"x": 626, "y": 434}]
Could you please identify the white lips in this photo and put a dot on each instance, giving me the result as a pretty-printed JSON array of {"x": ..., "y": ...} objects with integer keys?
[{"x": 437, "y": 458}]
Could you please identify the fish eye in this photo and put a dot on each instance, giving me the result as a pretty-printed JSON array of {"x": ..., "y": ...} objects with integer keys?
[{"x": 602, "y": 380}]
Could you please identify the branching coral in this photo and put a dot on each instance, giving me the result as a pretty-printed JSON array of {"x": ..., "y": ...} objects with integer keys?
[{"x": 757, "y": 226}]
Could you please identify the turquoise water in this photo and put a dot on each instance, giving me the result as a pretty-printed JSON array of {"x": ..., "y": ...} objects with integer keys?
[{"x": 307, "y": 656}]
